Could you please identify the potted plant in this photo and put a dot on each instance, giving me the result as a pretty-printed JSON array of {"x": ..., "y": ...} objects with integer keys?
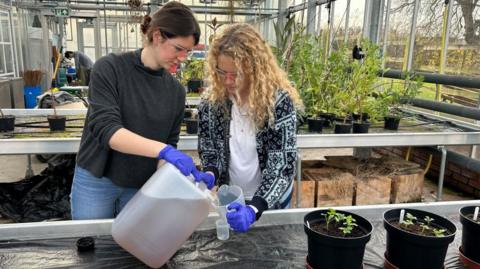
[
  {"x": 336, "y": 239},
  {"x": 391, "y": 98},
  {"x": 469, "y": 253},
  {"x": 416, "y": 239},
  {"x": 55, "y": 121},
  {"x": 192, "y": 122},
  {"x": 363, "y": 75},
  {"x": 7, "y": 122},
  {"x": 305, "y": 70},
  {"x": 193, "y": 74}
]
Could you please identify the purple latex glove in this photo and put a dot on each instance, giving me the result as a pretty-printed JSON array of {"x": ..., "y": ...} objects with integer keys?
[
  {"x": 182, "y": 161},
  {"x": 240, "y": 219},
  {"x": 207, "y": 178}
]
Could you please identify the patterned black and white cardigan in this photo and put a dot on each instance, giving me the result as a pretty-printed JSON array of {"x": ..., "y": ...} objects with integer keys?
[{"x": 276, "y": 148}]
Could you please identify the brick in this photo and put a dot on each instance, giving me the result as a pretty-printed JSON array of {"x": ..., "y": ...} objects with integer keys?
[
  {"x": 470, "y": 174},
  {"x": 459, "y": 178},
  {"x": 466, "y": 188},
  {"x": 453, "y": 167},
  {"x": 474, "y": 183}
]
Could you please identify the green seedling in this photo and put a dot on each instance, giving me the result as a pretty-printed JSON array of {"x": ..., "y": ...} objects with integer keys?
[
  {"x": 409, "y": 218},
  {"x": 439, "y": 232},
  {"x": 425, "y": 227},
  {"x": 428, "y": 220},
  {"x": 348, "y": 221},
  {"x": 348, "y": 225},
  {"x": 330, "y": 215}
]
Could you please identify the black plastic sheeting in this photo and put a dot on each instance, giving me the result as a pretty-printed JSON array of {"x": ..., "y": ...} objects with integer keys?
[
  {"x": 41, "y": 197},
  {"x": 283, "y": 246}
]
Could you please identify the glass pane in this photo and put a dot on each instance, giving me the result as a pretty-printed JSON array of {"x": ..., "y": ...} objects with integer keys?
[
  {"x": 9, "y": 58},
  {"x": 2, "y": 61},
  {"x": 109, "y": 36},
  {"x": 4, "y": 25},
  {"x": 464, "y": 44},
  {"x": 399, "y": 31},
  {"x": 355, "y": 24},
  {"x": 428, "y": 38},
  {"x": 88, "y": 37},
  {"x": 90, "y": 52}
]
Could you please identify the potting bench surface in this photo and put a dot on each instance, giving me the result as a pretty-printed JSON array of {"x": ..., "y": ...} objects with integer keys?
[{"x": 276, "y": 241}]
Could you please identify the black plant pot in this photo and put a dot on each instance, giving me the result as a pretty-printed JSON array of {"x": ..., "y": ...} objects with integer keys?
[
  {"x": 194, "y": 85},
  {"x": 470, "y": 234},
  {"x": 341, "y": 119},
  {"x": 391, "y": 123},
  {"x": 329, "y": 118},
  {"x": 343, "y": 128},
  {"x": 315, "y": 125},
  {"x": 414, "y": 251},
  {"x": 187, "y": 114},
  {"x": 329, "y": 252},
  {"x": 7, "y": 123},
  {"x": 356, "y": 117},
  {"x": 360, "y": 128},
  {"x": 57, "y": 123},
  {"x": 192, "y": 126}
]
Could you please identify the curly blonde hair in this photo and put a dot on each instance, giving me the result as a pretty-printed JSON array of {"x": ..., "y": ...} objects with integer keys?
[{"x": 256, "y": 64}]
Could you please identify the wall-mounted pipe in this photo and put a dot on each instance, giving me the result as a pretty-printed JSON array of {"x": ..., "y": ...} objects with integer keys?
[
  {"x": 462, "y": 111},
  {"x": 459, "y": 81},
  {"x": 464, "y": 161}
]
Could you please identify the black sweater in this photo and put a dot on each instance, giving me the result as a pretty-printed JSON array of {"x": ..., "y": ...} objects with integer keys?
[{"x": 125, "y": 93}]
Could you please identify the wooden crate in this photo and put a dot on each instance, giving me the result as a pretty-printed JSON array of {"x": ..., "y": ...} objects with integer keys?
[
  {"x": 334, "y": 186},
  {"x": 371, "y": 191},
  {"x": 407, "y": 187},
  {"x": 307, "y": 194},
  {"x": 379, "y": 166}
]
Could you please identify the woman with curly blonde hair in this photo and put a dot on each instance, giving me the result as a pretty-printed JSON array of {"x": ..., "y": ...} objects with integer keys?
[{"x": 247, "y": 133}]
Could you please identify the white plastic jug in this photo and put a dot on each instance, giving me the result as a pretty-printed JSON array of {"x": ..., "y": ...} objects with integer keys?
[{"x": 161, "y": 216}]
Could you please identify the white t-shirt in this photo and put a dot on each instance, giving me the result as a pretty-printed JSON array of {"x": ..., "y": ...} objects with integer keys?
[{"x": 244, "y": 169}]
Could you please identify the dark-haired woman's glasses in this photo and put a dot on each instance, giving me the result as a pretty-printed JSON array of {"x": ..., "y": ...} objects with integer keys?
[
  {"x": 224, "y": 74},
  {"x": 179, "y": 50}
]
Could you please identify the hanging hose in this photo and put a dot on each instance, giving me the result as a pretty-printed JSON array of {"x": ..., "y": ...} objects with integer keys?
[
  {"x": 429, "y": 163},
  {"x": 407, "y": 157}
]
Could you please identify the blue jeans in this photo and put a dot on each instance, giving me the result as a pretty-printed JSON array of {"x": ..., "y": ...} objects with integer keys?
[{"x": 97, "y": 198}]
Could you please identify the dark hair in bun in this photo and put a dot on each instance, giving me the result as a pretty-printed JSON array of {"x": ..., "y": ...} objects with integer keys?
[
  {"x": 172, "y": 19},
  {"x": 145, "y": 24}
]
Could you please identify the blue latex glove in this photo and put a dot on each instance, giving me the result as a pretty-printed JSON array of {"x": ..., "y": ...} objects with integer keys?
[
  {"x": 182, "y": 161},
  {"x": 241, "y": 218},
  {"x": 207, "y": 178}
]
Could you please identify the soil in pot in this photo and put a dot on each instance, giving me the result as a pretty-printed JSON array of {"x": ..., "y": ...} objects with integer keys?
[
  {"x": 391, "y": 123},
  {"x": 315, "y": 125},
  {"x": 343, "y": 128},
  {"x": 332, "y": 248},
  {"x": 194, "y": 85},
  {"x": 360, "y": 128},
  {"x": 7, "y": 123},
  {"x": 328, "y": 117},
  {"x": 356, "y": 117},
  {"x": 470, "y": 233},
  {"x": 56, "y": 122},
  {"x": 192, "y": 126},
  {"x": 421, "y": 241}
]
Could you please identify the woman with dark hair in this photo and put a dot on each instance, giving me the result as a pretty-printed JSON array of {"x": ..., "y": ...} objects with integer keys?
[{"x": 133, "y": 120}]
